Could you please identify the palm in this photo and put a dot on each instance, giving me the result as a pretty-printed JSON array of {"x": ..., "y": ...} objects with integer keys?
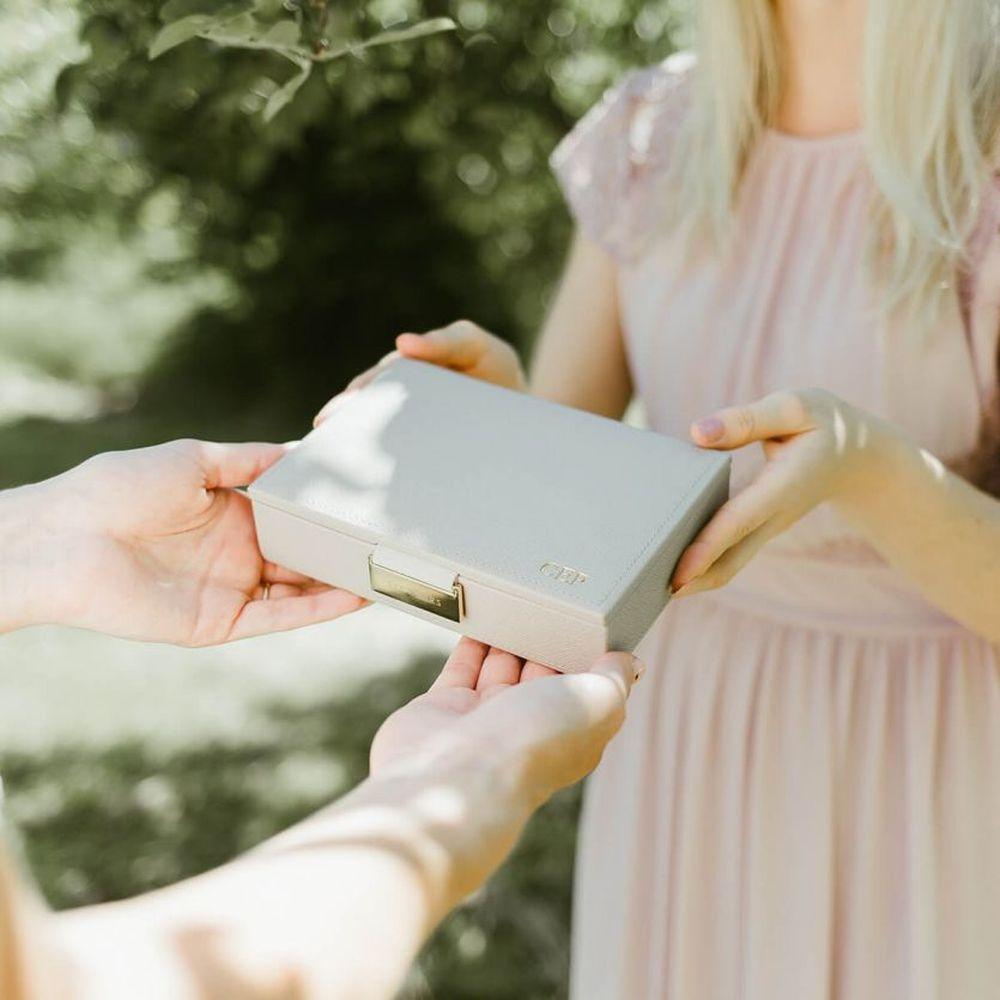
[{"x": 174, "y": 554}]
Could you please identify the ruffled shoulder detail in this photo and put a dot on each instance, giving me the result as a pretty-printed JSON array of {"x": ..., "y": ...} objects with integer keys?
[{"x": 612, "y": 165}]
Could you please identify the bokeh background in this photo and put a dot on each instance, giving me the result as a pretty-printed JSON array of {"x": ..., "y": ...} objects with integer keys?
[{"x": 171, "y": 264}]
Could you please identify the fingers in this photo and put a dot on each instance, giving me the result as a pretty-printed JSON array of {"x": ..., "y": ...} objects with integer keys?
[
  {"x": 356, "y": 383},
  {"x": 732, "y": 561},
  {"x": 778, "y": 415},
  {"x": 228, "y": 465},
  {"x": 533, "y": 671},
  {"x": 735, "y": 520},
  {"x": 360, "y": 381},
  {"x": 290, "y": 607},
  {"x": 273, "y": 573},
  {"x": 479, "y": 667},
  {"x": 500, "y": 669},
  {"x": 458, "y": 345},
  {"x": 462, "y": 668}
]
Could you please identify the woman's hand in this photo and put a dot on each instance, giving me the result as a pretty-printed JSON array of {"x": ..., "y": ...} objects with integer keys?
[
  {"x": 473, "y": 674},
  {"x": 462, "y": 347},
  {"x": 506, "y": 734},
  {"x": 152, "y": 544},
  {"x": 480, "y": 694},
  {"x": 817, "y": 448}
]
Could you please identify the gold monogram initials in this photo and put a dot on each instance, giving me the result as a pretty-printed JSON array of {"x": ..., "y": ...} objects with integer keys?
[{"x": 564, "y": 574}]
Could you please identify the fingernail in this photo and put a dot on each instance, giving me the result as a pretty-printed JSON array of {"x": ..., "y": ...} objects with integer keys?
[
  {"x": 640, "y": 669},
  {"x": 710, "y": 428}
]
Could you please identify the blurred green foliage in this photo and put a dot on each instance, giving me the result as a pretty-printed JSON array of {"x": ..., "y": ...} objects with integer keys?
[
  {"x": 173, "y": 264},
  {"x": 402, "y": 188}
]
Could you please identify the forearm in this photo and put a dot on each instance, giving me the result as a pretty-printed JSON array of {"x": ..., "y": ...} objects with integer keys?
[
  {"x": 336, "y": 907},
  {"x": 580, "y": 358},
  {"x": 937, "y": 529},
  {"x": 343, "y": 923}
]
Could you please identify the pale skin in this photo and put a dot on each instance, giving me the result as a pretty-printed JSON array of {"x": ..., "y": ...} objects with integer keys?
[
  {"x": 925, "y": 520},
  {"x": 168, "y": 553},
  {"x": 338, "y": 905}
]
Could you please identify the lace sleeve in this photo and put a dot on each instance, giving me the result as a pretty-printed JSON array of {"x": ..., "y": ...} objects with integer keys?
[{"x": 612, "y": 164}]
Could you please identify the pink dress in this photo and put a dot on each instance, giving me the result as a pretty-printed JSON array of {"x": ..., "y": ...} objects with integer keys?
[{"x": 805, "y": 800}]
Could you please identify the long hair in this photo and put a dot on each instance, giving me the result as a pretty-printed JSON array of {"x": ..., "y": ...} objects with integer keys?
[
  {"x": 931, "y": 117},
  {"x": 931, "y": 112}
]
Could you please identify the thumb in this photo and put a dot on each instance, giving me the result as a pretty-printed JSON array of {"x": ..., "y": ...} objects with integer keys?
[
  {"x": 622, "y": 668},
  {"x": 599, "y": 695},
  {"x": 459, "y": 345},
  {"x": 228, "y": 465},
  {"x": 586, "y": 711},
  {"x": 778, "y": 415}
]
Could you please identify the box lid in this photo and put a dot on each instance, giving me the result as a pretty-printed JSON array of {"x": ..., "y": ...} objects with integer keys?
[{"x": 514, "y": 491}]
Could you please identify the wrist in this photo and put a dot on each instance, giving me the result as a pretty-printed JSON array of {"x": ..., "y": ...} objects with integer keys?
[
  {"x": 44, "y": 544},
  {"x": 465, "y": 806},
  {"x": 452, "y": 810},
  {"x": 879, "y": 456},
  {"x": 26, "y": 557}
]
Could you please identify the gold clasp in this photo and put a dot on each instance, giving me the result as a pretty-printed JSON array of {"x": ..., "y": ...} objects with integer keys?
[{"x": 447, "y": 602}]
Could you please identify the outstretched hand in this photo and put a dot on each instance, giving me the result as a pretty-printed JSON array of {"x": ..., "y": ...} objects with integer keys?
[
  {"x": 550, "y": 729},
  {"x": 153, "y": 544}
]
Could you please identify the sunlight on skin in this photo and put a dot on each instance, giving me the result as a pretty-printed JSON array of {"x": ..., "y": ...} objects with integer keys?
[
  {"x": 918, "y": 515},
  {"x": 839, "y": 431},
  {"x": 863, "y": 434},
  {"x": 934, "y": 464},
  {"x": 342, "y": 902}
]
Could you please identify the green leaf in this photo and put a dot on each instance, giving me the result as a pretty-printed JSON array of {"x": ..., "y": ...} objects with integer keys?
[
  {"x": 178, "y": 32},
  {"x": 174, "y": 10},
  {"x": 432, "y": 26},
  {"x": 284, "y": 94},
  {"x": 282, "y": 35},
  {"x": 244, "y": 32},
  {"x": 232, "y": 30}
]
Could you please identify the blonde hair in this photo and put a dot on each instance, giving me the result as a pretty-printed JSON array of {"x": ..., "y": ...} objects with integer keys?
[{"x": 932, "y": 122}]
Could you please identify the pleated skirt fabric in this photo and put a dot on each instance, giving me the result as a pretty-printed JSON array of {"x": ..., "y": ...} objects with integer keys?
[{"x": 796, "y": 812}]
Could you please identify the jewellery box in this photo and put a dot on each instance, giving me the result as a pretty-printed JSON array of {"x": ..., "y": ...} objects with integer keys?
[{"x": 537, "y": 528}]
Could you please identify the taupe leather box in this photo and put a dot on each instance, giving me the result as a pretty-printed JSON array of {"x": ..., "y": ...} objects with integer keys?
[{"x": 528, "y": 525}]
